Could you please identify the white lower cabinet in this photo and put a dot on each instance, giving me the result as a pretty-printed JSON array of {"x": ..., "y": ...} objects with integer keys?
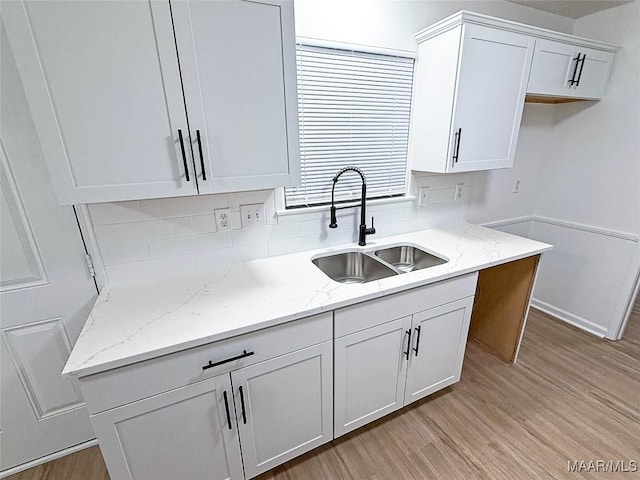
[
  {"x": 382, "y": 368},
  {"x": 241, "y": 406},
  {"x": 439, "y": 340},
  {"x": 183, "y": 433},
  {"x": 229, "y": 410},
  {"x": 284, "y": 407},
  {"x": 370, "y": 368},
  {"x": 273, "y": 410}
]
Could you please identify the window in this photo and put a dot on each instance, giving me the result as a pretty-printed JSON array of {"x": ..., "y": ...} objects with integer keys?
[{"x": 353, "y": 110}]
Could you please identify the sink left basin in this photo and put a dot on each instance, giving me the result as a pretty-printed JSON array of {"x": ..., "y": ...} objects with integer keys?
[{"x": 353, "y": 267}]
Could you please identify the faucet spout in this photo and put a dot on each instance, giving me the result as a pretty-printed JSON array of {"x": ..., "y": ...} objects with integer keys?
[{"x": 363, "y": 230}]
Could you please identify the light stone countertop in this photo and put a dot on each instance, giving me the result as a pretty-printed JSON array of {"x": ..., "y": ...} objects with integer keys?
[{"x": 135, "y": 322}]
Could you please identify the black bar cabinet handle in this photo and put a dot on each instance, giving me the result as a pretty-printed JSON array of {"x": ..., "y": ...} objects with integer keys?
[
  {"x": 575, "y": 70},
  {"x": 184, "y": 155},
  {"x": 226, "y": 407},
  {"x": 584, "y": 56},
  {"x": 458, "y": 137},
  {"x": 406, "y": 354},
  {"x": 418, "y": 328},
  {"x": 232, "y": 359},
  {"x": 204, "y": 173},
  {"x": 244, "y": 413}
]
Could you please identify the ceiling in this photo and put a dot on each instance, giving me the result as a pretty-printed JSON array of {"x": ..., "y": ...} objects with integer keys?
[{"x": 571, "y": 8}]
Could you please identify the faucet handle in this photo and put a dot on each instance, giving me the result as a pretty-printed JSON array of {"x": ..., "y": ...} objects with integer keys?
[
  {"x": 334, "y": 221},
  {"x": 372, "y": 230}
]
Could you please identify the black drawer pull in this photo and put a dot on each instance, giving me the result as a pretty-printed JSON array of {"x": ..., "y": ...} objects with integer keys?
[
  {"x": 584, "y": 57},
  {"x": 226, "y": 407},
  {"x": 575, "y": 70},
  {"x": 244, "y": 412},
  {"x": 417, "y": 340},
  {"x": 456, "y": 145},
  {"x": 406, "y": 354},
  {"x": 184, "y": 155},
  {"x": 232, "y": 359},
  {"x": 204, "y": 173}
]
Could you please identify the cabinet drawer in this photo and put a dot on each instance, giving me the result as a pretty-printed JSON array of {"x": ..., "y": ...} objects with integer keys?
[
  {"x": 375, "y": 312},
  {"x": 143, "y": 379}
]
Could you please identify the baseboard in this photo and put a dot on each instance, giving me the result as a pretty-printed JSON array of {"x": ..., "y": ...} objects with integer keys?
[
  {"x": 48, "y": 458},
  {"x": 568, "y": 317}
]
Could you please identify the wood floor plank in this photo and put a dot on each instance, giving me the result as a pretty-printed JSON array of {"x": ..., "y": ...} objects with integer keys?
[{"x": 571, "y": 396}]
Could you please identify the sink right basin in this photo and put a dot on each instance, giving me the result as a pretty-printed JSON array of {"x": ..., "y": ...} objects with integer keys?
[{"x": 408, "y": 258}]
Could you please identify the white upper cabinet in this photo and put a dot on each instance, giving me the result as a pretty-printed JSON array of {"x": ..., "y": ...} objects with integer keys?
[
  {"x": 104, "y": 89},
  {"x": 473, "y": 74},
  {"x": 569, "y": 70},
  {"x": 238, "y": 66},
  {"x": 469, "y": 96},
  {"x": 105, "y": 81}
]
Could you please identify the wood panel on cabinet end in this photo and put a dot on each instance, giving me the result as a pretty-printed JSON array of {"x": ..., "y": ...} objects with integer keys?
[
  {"x": 532, "y": 98},
  {"x": 500, "y": 306}
]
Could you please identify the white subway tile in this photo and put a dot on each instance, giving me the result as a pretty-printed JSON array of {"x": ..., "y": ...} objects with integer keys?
[
  {"x": 439, "y": 195},
  {"x": 395, "y": 228},
  {"x": 433, "y": 214},
  {"x": 181, "y": 206},
  {"x": 124, "y": 252},
  {"x": 457, "y": 212},
  {"x": 202, "y": 223},
  {"x": 246, "y": 198},
  {"x": 292, "y": 245},
  {"x": 126, "y": 232},
  {"x": 172, "y": 246},
  {"x": 150, "y": 269},
  {"x": 228, "y": 256},
  {"x": 265, "y": 234},
  {"x": 236, "y": 220},
  {"x": 342, "y": 236},
  {"x": 109, "y": 213}
]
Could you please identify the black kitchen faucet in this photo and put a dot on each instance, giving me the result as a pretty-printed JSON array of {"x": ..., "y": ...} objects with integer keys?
[{"x": 364, "y": 231}]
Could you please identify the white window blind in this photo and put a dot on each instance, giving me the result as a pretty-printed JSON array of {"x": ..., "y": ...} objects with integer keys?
[{"x": 353, "y": 110}]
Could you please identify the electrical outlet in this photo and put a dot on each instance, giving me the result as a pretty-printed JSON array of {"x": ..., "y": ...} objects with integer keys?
[
  {"x": 516, "y": 186},
  {"x": 424, "y": 196},
  {"x": 459, "y": 191},
  {"x": 223, "y": 219},
  {"x": 252, "y": 215}
]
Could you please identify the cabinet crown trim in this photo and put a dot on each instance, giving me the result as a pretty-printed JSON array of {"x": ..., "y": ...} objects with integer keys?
[{"x": 464, "y": 16}]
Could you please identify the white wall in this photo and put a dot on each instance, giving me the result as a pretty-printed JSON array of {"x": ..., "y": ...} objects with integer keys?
[
  {"x": 589, "y": 201},
  {"x": 392, "y": 23}
]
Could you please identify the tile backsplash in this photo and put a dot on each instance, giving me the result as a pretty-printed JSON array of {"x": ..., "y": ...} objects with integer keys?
[{"x": 143, "y": 238}]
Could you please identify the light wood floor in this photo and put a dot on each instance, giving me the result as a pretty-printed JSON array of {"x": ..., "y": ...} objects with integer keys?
[{"x": 572, "y": 396}]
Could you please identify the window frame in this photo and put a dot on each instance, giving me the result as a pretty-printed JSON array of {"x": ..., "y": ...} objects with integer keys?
[{"x": 281, "y": 208}]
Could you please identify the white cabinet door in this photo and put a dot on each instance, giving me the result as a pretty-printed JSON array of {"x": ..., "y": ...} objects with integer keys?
[
  {"x": 284, "y": 407},
  {"x": 238, "y": 64},
  {"x": 492, "y": 80},
  {"x": 554, "y": 65},
  {"x": 188, "y": 433},
  {"x": 370, "y": 371},
  {"x": 593, "y": 73},
  {"x": 568, "y": 70},
  {"x": 103, "y": 84},
  {"x": 439, "y": 340}
]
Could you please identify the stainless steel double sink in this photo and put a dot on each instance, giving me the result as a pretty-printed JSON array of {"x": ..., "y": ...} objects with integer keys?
[{"x": 358, "y": 266}]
